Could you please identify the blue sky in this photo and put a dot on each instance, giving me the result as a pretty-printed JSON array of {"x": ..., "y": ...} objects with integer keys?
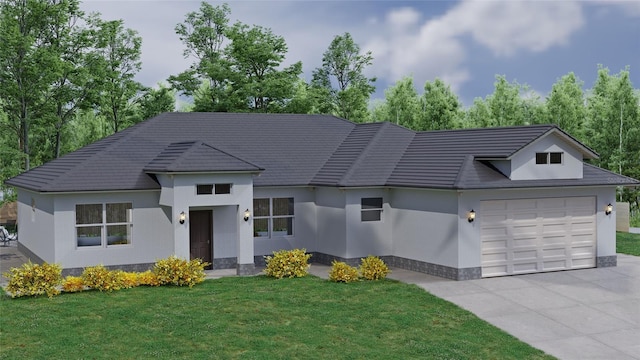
[{"x": 465, "y": 43}]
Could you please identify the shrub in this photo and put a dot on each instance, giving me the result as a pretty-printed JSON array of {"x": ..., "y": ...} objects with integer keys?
[
  {"x": 100, "y": 278},
  {"x": 148, "y": 278},
  {"x": 180, "y": 272},
  {"x": 373, "y": 268},
  {"x": 72, "y": 284},
  {"x": 341, "y": 272},
  {"x": 34, "y": 279},
  {"x": 288, "y": 263},
  {"x": 127, "y": 279}
]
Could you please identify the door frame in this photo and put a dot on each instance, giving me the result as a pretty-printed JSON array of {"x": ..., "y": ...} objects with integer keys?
[{"x": 209, "y": 225}]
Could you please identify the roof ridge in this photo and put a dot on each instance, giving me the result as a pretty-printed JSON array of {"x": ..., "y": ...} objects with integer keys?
[
  {"x": 231, "y": 155},
  {"x": 467, "y": 160}
]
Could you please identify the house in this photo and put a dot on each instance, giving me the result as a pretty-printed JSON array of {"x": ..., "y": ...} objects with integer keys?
[{"x": 231, "y": 188}]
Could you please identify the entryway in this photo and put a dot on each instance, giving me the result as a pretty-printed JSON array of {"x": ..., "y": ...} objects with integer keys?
[{"x": 201, "y": 235}]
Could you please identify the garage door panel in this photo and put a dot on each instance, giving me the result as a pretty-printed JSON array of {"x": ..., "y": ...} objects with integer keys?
[{"x": 533, "y": 235}]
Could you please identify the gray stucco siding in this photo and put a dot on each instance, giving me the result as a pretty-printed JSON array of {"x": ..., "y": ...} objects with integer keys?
[
  {"x": 367, "y": 237},
  {"x": 36, "y": 224},
  {"x": 425, "y": 225},
  {"x": 331, "y": 221}
]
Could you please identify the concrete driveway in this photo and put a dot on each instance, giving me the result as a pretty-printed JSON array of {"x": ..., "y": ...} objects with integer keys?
[{"x": 580, "y": 314}]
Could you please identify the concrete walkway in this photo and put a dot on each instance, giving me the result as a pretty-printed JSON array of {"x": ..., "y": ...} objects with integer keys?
[
  {"x": 580, "y": 314},
  {"x": 634, "y": 230}
]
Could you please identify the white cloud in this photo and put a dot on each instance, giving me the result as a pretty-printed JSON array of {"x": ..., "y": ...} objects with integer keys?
[{"x": 436, "y": 47}]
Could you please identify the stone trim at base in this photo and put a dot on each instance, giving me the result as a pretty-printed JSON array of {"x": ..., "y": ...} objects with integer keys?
[
  {"x": 246, "y": 269},
  {"x": 125, "y": 267},
  {"x": 607, "y": 261}
]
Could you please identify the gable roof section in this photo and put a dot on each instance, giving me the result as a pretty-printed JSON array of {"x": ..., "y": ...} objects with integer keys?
[
  {"x": 196, "y": 156},
  {"x": 435, "y": 158}
]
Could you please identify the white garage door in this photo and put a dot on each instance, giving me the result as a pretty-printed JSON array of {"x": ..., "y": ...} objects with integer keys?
[{"x": 534, "y": 235}]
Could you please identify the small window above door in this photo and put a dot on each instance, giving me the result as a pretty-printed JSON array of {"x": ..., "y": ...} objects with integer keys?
[{"x": 209, "y": 189}]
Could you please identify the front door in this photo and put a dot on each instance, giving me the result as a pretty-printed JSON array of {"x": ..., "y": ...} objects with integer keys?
[{"x": 201, "y": 235}]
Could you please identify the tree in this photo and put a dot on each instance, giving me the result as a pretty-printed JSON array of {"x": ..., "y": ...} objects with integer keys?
[
  {"x": 566, "y": 104},
  {"x": 613, "y": 126},
  {"x": 343, "y": 67},
  {"x": 255, "y": 54},
  {"x": 119, "y": 49},
  {"x": 29, "y": 63},
  {"x": 505, "y": 103},
  {"x": 478, "y": 115},
  {"x": 203, "y": 34},
  {"x": 156, "y": 101},
  {"x": 440, "y": 107}
]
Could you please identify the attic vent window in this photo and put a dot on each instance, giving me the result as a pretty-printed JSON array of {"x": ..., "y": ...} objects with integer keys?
[
  {"x": 208, "y": 189},
  {"x": 543, "y": 158},
  {"x": 371, "y": 209}
]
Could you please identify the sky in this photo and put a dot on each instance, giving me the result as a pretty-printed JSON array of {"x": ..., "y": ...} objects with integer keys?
[{"x": 464, "y": 43}]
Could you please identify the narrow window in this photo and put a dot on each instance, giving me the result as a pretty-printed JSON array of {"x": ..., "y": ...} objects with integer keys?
[
  {"x": 204, "y": 189},
  {"x": 371, "y": 209},
  {"x": 555, "y": 158},
  {"x": 541, "y": 158},
  {"x": 223, "y": 188}
]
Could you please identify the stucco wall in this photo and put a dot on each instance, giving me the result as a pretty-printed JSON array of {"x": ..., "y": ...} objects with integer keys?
[
  {"x": 524, "y": 167},
  {"x": 304, "y": 221},
  {"x": 331, "y": 220},
  {"x": 425, "y": 225},
  {"x": 470, "y": 247},
  {"x": 36, "y": 225},
  {"x": 151, "y": 231},
  {"x": 367, "y": 237},
  {"x": 225, "y": 232}
]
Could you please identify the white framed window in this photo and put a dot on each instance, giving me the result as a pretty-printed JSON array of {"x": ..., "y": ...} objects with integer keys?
[
  {"x": 103, "y": 225},
  {"x": 273, "y": 217},
  {"x": 543, "y": 158},
  {"x": 371, "y": 209}
]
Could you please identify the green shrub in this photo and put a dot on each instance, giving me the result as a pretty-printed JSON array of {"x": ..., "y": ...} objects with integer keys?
[
  {"x": 341, "y": 272},
  {"x": 100, "y": 278},
  {"x": 373, "y": 268},
  {"x": 180, "y": 272},
  {"x": 288, "y": 263},
  {"x": 34, "y": 279}
]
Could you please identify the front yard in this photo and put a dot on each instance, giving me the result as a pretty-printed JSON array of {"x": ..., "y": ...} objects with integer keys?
[
  {"x": 252, "y": 318},
  {"x": 627, "y": 243}
]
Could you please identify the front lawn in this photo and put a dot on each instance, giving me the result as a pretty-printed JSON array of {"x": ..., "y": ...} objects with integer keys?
[
  {"x": 252, "y": 318},
  {"x": 627, "y": 243}
]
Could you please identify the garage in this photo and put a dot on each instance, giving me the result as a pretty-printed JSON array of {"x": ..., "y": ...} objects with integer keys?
[{"x": 536, "y": 235}]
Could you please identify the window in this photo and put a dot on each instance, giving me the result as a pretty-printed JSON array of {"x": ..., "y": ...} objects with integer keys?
[
  {"x": 371, "y": 209},
  {"x": 103, "y": 224},
  {"x": 549, "y": 158},
  {"x": 273, "y": 217},
  {"x": 208, "y": 189}
]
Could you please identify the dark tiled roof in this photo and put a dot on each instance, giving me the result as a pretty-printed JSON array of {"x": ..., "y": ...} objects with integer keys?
[
  {"x": 196, "y": 156},
  {"x": 298, "y": 150}
]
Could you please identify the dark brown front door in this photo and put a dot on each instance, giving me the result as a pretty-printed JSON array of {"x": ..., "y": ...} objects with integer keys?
[{"x": 201, "y": 235}]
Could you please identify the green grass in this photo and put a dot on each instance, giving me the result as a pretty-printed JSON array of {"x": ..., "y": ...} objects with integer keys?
[
  {"x": 252, "y": 318},
  {"x": 627, "y": 243}
]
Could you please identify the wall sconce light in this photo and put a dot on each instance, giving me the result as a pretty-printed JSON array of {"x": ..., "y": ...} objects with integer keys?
[
  {"x": 182, "y": 217},
  {"x": 247, "y": 213},
  {"x": 471, "y": 216},
  {"x": 608, "y": 210}
]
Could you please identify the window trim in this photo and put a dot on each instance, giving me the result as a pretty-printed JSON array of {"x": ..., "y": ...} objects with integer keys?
[
  {"x": 104, "y": 225},
  {"x": 214, "y": 189},
  {"x": 547, "y": 157},
  {"x": 371, "y": 210},
  {"x": 271, "y": 217}
]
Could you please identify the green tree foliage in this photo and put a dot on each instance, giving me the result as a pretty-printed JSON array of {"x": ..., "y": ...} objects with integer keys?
[
  {"x": 401, "y": 105},
  {"x": 565, "y": 104},
  {"x": 441, "y": 108},
  {"x": 203, "y": 34},
  {"x": 155, "y": 101},
  {"x": 256, "y": 55},
  {"x": 340, "y": 85},
  {"x": 613, "y": 126},
  {"x": 119, "y": 50}
]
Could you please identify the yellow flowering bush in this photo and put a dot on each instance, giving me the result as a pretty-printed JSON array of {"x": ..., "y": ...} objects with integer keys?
[
  {"x": 176, "y": 271},
  {"x": 100, "y": 278},
  {"x": 341, "y": 272},
  {"x": 373, "y": 268},
  {"x": 288, "y": 263},
  {"x": 72, "y": 284},
  {"x": 127, "y": 279},
  {"x": 148, "y": 278},
  {"x": 34, "y": 279}
]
